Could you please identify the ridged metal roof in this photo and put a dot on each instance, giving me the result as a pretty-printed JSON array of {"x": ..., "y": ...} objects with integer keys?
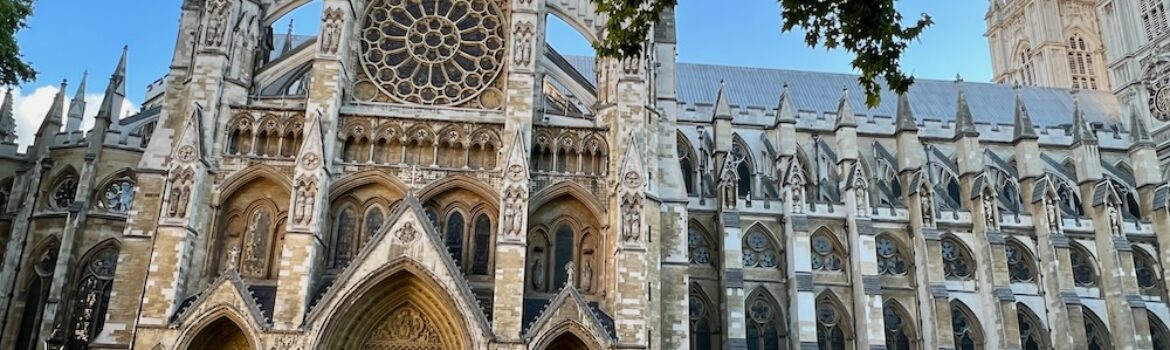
[{"x": 930, "y": 99}]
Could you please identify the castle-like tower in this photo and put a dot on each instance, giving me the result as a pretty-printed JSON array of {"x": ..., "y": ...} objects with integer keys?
[
  {"x": 431, "y": 175},
  {"x": 1047, "y": 43}
]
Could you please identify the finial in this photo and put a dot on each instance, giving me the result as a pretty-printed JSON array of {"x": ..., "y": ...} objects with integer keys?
[{"x": 958, "y": 78}]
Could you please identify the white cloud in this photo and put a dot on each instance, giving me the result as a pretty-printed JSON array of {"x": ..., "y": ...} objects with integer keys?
[{"x": 30, "y": 109}]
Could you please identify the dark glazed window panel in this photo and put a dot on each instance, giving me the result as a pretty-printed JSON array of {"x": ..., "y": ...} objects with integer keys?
[
  {"x": 454, "y": 237},
  {"x": 483, "y": 243},
  {"x": 563, "y": 254}
]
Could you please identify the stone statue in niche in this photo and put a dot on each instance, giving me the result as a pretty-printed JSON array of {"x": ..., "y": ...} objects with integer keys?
[
  {"x": 990, "y": 210},
  {"x": 926, "y": 201},
  {"x": 537, "y": 273},
  {"x": 331, "y": 30},
  {"x": 862, "y": 195},
  {"x": 233, "y": 254},
  {"x": 1052, "y": 212},
  {"x": 1115, "y": 221},
  {"x": 306, "y": 198},
  {"x": 514, "y": 212},
  {"x": 570, "y": 272},
  {"x": 587, "y": 276},
  {"x": 632, "y": 218},
  {"x": 216, "y": 22},
  {"x": 522, "y": 44},
  {"x": 728, "y": 181}
]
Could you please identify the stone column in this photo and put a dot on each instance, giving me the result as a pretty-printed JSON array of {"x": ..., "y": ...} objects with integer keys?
[
  {"x": 511, "y": 247},
  {"x": 631, "y": 293},
  {"x": 802, "y": 305}
]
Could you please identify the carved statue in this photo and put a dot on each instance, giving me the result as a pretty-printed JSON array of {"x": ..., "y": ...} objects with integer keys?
[
  {"x": 862, "y": 196},
  {"x": 632, "y": 218},
  {"x": 216, "y": 22},
  {"x": 1115, "y": 221},
  {"x": 524, "y": 33},
  {"x": 926, "y": 200},
  {"x": 514, "y": 212},
  {"x": 537, "y": 273},
  {"x": 305, "y": 200},
  {"x": 569, "y": 273},
  {"x": 587, "y": 277},
  {"x": 232, "y": 255},
  {"x": 331, "y": 31},
  {"x": 1053, "y": 214},
  {"x": 989, "y": 211}
]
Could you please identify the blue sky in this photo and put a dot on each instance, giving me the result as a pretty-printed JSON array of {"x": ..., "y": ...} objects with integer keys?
[{"x": 65, "y": 38}]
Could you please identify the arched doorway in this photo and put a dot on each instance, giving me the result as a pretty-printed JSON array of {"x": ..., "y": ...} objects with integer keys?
[
  {"x": 404, "y": 308},
  {"x": 567, "y": 341},
  {"x": 221, "y": 334}
]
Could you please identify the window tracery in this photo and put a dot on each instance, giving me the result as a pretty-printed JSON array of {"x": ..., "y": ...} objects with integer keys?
[
  {"x": 1158, "y": 332},
  {"x": 1080, "y": 63},
  {"x": 703, "y": 333},
  {"x": 118, "y": 195},
  {"x": 898, "y": 331},
  {"x": 826, "y": 256},
  {"x": 758, "y": 250},
  {"x": 431, "y": 52},
  {"x": 743, "y": 171},
  {"x": 1147, "y": 271},
  {"x": 699, "y": 248},
  {"x": 454, "y": 236},
  {"x": 686, "y": 163},
  {"x": 1153, "y": 18},
  {"x": 830, "y": 332},
  {"x": 482, "y": 241},
  {"x": 344, "y": 232},
  {"x": 957, "y": 262},
  {"x": 257, "y": 244},
  {"x": 1031, "y": 332},
  {"x": 1021, "y": 268},
  {"x": 1096, "y": 334},
  {"x": 1070, "y": 202},
  {"x": 92, "y": 297},
  {"x": 1027, "y": 71},
  {"x": 36, "y": 293},
  {"x": 1083, "y": 266},
  {"x": 890, "y": 259},
  {"x": 964, "y": 327},
  {"x": 65, "y": 192},
  {"x": 762, "y": 332}
]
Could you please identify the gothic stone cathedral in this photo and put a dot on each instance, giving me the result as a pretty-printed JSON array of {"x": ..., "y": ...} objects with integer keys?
[{"x": 429, "y": 174}]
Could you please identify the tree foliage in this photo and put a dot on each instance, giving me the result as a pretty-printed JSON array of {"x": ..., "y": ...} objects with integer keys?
[
  {"x": 13, "y": 69},
  {"x": 871, "y": 30}
]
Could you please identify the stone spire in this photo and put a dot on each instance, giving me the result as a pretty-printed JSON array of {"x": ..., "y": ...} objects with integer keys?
[
  {"x": 77, "y": 106},
  {"x": 845, "y": 116},
  {"x": 785, "y": 114},
  {"x": 905, "y": 120},
  {"x": 52, "y": 122},
  {"x": 1082, "y": 132},
  {"x": 964, "y": 121},
  {"x": 288, "y": 39},
  {"x": 1138, "y": 133},
  {"x": 7, "y": 119},
  {"x": 1024, "y": 129},
  {"x": 115, "y": 95},
  {"x": 722, "y": 107}
]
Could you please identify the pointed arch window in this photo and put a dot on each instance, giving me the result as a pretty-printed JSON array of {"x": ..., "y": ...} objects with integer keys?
[
  {"x": 1148, "y": 273},
  {"x": 118, "y": 195},
  {"x": 1083, "y": 267},
  {"x": 965, "y": 328},
  {"x": 1158, "y": 331},
  {"x": 830, "y": 326},
  {"x": 35, "y": 295},
  {"x": 563, "y": 253},
  {"x": 686, "y": 163},
  {"x": 1080, "y": 64},
  {"x": 1070, "y": 202},
  {"x": 758, "y": 250},
  {"x": 957, "y": 262},
  {"x": 703, "y": 333},
  {"x": 826, "y": 254},
  {"x": 1027, "y": 71},
  {"x": 1031, "y": 331},
  {"x": 454, "y": 236},
  {"x": 743, "y": 170},
  {"x": 483, "y": 239},
  {"x": 891, "y": 262},
  {"x": 1021, "y": 267},
  {"x": 1009, "y": 190},
  {"x": 344, "y": 232},
  {"x": 699, "y": 248},
  {"x": 92, "y": 298},
  {"x": 65, "y": 192},
  {"x": 898, "y": 331},
  {"x": 1096, "y": 335},
  {"x": 762, "y": 332},
  {"x": 889, "y": 184},
  {"x": 372, "y": 223}
]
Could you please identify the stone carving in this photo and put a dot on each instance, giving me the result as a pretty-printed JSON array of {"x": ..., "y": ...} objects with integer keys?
[
  {"x": 729, "y": 180},
  {"x": 522, "y": 43},
  {"x": 926, "y": 201},
  {"x": 632, "y": 208},
  {"x": 287, "y": 343},
  {"x": 795, "y": 188},
  {"x": 306, "y": 199},
  {"x": 1115, "y": 220},
  {"x": 233, "y": 254},
  {"x": 217, "y": 22},
  {"x": 180, "y": 194},
  {"x": 311, "y": 161},
  {"x": 990, "y": 210},
  {"x": 1052, "y": 212},
  {"x": 537, "y": 273},
  {"x": 407, "y": 233},
  {"x": 331, "y": 23},
  {"x": 514, "y": 203},
  {"x": 186, "y": 153},
  {"x": 861, "y": 194},
  {"x": 405, "y": 328},
  {"x": 570, "y": 272},
  {"x": 587, "y": 277},
  {"x": 256, "y": 246}
]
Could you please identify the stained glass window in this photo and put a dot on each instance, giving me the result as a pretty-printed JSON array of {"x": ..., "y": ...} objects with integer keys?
[
  {"x": 483, "y": 244},
  {"x": 1020, "y": 265},
  {"x": 897, "y": 329},
  {"x": 964, "y": 328},
  {"x": 825, "y": 254},
  {"x": 34, "y": 300},
  {"x": 373, "y": 222},
  {"x": 698, "y": 248},
  {"x": 1096, "y": 335},
  {"x": 65, "y": 192},
  {"x": 761, "y": 330},
  {"x": 92, "y": 298},
  {"x": 957, "y": 262},
  {"x": 1158, "y": 331},
  {"x": 890, "y": 260},
  {"x": 702, "y": 337},
  {"x": 454, "y": 236},
  {"x": 758, "y": 251},
  {"x": 344, "y": 237},
  {"x": 1031, "y": 332},
  {"x": 117, "y": 196},
  {"x": 830, "y": 335},
  {"x": 1084, "y": 271},
  {"x": 1147, "y": 272}
]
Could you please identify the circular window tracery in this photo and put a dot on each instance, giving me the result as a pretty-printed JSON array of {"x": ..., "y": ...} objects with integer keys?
[
  {"x": 64, "y": 194},
  {"x": 118, "y": 196},
  {"x": 432, "y": 52}
]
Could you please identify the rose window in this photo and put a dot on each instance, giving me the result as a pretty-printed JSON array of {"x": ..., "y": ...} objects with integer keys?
[
  {"x": 118, "y": 196},
  {"x": 65, "y": 192},
  {"x": 432, "y": 52}
]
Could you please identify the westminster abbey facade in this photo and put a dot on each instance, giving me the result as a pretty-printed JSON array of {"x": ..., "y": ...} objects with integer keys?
[{"x": 430, "y": 174}]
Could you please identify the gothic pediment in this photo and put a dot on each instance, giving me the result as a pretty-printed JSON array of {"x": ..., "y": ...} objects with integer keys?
[
  {"x": 410, "y": 244},
  {"x": 226, "y": 292},
  {"x": 569, "y": 309}
]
